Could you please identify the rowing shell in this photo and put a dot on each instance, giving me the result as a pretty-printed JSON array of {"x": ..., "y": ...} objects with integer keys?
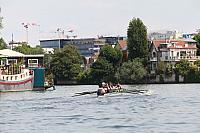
[{"x": 113, "y": 91}]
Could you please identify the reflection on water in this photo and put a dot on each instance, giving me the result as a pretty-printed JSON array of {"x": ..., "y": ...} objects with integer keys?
[{"x": 165, "y": 108}]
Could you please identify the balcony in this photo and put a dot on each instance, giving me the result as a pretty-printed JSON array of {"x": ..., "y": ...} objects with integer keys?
[
  {"x": 176, "y": 58},
  {"x": 153, "y": 59},
  {"x": 190, "y": 58}
]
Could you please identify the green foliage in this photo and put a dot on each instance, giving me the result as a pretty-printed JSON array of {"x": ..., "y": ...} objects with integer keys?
[
  {"x": 2, "y": 44},
  {"x": 161, "y": 67},
  {"x": 132, "y": 72},
  {"x": 27, "y": 49},
  {"x": 102, "y": 70},
  {"x": 137, "y": 39},
  {"x": 65, "y": 63},
  {"x": 190, "y": 72},
  {"x": 182, "y": 67},
  {"x": 85, "y": 77},
  {"x": 161, "y": 78},
  {"x": 197, "y": 63},
  {"x": 112, "y": 55},
  {"x": 193, "y": 75},
  {"x": 164, "y": 68},
  {"x": 105, "y": 68},
  {"x": 169, "y": 70},
  {"x": 197, "y": 38}
]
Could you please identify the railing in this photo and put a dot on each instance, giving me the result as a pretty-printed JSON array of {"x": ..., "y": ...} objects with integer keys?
[
  {"x": 16, "y": 77},
  {"x": 153, "y": 59},
  {"x": 32, "y": 65},
  {"x": 177, "y": 58},
  {"x": 186, "y": 57}
]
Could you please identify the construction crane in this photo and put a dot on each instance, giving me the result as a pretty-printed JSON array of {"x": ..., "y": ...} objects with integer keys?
[
  {"x": 0, "y": 19},
  {"x": 26, "y": 26}
]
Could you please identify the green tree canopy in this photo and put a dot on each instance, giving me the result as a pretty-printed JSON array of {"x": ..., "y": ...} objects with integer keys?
[
  {"x": 132, "y": 71},
  {"x": 182, "y": 67},
  {"x": 66, "y": 63},
  {"x": 112, "y": 55},
  {"x": 102, "y": 70},
  {"x": 27, "y": 49},
  {"x": 161, "y": 67},
  {"x": 2, "y": 44},
  {"x": 137, "y": 39},
  {"x": 197, "y": 38},
  {"x": 197, "y": 63},
  {"x": 105, "y": 67}
]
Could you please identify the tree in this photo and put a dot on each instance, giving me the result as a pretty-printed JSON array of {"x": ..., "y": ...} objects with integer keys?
[
  {"x": 66, "y": 63},
  {"x": 137, "y": 39},
  {"x": 197, "y": 63},
  {"x": 182, "y": 67},
  {"x": 102, "y": 70},
  {"x": 132, "y": 71},
  {"x": 107, "y": 64},
  {"x": 27, "y": 49},
  {"x": 197, "y": 38},
  {"x": 85, "y": 77},
  {"x": 112, "y": 55},
  {"x": 161, "y": 67},
  {"x": 2, "y": 44}
]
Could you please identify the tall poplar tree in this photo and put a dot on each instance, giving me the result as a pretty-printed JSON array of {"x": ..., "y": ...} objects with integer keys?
[
  {"x": 197, "y": 38},
  {"x": 137, "y": 39}
]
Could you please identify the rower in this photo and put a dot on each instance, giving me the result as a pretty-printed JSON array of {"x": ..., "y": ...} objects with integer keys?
[
  {"x": 101, "y": 91},
  {"x": 119, "y": 86}
]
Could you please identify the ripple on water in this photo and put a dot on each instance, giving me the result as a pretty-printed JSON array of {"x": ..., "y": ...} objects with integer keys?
[{"x": 170, "y": 108}]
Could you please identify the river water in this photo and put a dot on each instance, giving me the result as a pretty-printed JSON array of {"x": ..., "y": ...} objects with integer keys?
[{"x": 168, "y": 108}]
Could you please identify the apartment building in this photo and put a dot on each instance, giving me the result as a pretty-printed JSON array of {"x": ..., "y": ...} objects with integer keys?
[{"x": 172, "y": 51}]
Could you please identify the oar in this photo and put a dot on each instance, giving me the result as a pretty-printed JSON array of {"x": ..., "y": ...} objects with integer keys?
[
  {"x": 136, "y": 91},
  {"x": 84, "y": 93}
]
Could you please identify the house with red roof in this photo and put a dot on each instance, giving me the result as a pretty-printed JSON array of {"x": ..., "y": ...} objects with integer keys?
[{"x": 172, "y": 51}]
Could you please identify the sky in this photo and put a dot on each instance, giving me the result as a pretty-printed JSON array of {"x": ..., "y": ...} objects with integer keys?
[{"x": 92, "y": 18}]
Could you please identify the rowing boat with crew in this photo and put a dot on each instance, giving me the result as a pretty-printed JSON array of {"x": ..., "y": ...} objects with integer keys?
[{"x": 105, "y": 88}]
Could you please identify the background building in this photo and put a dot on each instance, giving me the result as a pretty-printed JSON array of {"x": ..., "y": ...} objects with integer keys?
[
  {"x": 83, "y": 45},
  {"x": 86, "y": 46}
]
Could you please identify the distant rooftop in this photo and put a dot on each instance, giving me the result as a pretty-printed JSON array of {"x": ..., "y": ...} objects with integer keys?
[{"x": 11, "y": 53}]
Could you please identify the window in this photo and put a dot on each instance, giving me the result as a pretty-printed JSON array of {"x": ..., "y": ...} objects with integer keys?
[
  {"x": 177, "y": 54},
  {"x": 183, "y": 53},
  {"x": 32, "y": 62},
  {"x": 154, "y": 54},
  {"x": 12, "y": 61},
  {"x": 172, "y": 52}
]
